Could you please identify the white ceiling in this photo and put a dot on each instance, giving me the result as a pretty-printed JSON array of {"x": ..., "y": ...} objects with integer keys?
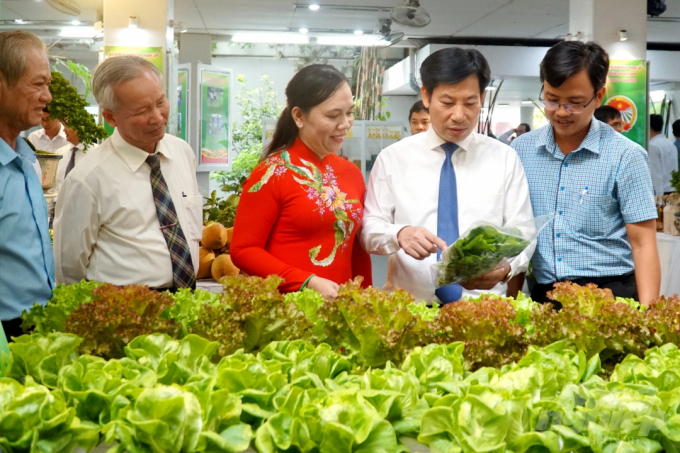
[{"x": 479, "y": 18}]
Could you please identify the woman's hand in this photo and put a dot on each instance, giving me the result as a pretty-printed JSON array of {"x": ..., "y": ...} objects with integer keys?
[{"x": 327, "y": 288}]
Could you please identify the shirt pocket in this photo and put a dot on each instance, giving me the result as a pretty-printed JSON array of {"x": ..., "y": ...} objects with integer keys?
[
  {"x": 193, "y": 208},
  {"x": 593, "y": 215}
]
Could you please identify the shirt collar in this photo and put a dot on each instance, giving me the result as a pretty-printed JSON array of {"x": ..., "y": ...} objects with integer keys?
[
  {"x": 132, "y": 155},
  {"x": 7, "y": 154},
  {"x": 591, "y": 142},
  {"x": 434, "y": 141}
]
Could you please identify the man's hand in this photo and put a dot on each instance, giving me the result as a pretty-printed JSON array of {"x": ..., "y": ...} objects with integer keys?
[
  {"x": 327, "y": 288},
  {"x": 487, "y": 281},
  {"x": 418, "y": 242}
]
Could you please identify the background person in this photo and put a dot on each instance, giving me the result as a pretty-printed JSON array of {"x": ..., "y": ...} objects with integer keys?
[
  {"x": 130, "y": 213},
  {"x": 26, "y": 260},
  {"x": 51, "y": 137},
  {"x": 427, "y": 189},
  {"x": 301, "y": 209},
  {"x": 663, "y": 157},
  {"x": 676, "y": 134},
  {"x": 595, "y": 180},
  {"x": 609, "y": 115},
  {"x": 509, "y": 136},
  {"x": 419, "y": 118}
]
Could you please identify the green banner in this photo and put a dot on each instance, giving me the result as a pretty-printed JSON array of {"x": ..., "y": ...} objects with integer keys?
[
  {"x": 214, "y": 143},
  {"x": 182, "y": 103},
  {"x": 627, "y": 92}
]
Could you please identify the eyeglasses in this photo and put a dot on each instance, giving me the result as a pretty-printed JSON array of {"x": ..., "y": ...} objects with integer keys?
[{"x": 571, "y": 108}]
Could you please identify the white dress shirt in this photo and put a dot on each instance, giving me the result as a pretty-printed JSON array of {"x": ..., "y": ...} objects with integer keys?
[
  {"x": 403, "y": 190},
  {"x": 663, "y": 159},
  {"x": 42, "y": 142},
  {"x": 106, "y": 227}
]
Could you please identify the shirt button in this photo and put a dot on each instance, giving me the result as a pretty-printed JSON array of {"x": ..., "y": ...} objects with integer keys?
[
  {"x": 559, "y": 260},
  {"x": 558, "y": 234},
  {"x": 562, "y": 188},
  {"x": 566, "y": 165},
  {"x": 559, "y": 212}
]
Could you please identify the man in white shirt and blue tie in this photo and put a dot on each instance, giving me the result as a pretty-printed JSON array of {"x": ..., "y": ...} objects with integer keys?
[{"x": 427, "y": 189}]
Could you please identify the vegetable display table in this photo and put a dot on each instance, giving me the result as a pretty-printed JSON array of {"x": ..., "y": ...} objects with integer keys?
[
  {"x": 669, "y": 255},
  {"x": 209, "y": 284}
]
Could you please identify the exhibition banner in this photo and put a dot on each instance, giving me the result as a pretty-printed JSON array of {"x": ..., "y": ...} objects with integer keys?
[
  {"x": 214, "y": 139},
  {"x": 627, "y": 92}
]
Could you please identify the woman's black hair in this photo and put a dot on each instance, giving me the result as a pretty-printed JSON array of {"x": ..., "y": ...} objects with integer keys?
[
  {"x": 606, "y": 113},
  {"x": 417, "y": 107},
  {"x": 311, "y": 86},
  {"x": 453, "y": 65},
  {"x": 568, "y": 58}
]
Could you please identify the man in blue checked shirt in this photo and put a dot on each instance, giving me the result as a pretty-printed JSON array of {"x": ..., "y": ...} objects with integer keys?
[{"x": 596, "y": 181}]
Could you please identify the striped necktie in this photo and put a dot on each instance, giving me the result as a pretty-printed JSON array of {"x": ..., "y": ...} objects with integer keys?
[
  {"x": 447, "y": 218},
  {"x": 183, "y": 274}
]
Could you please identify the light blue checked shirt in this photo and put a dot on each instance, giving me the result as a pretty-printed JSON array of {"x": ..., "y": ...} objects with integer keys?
[{"x": 594, "y": 191}]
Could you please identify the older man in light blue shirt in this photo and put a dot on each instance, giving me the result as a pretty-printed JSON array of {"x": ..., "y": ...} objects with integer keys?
[{"x": 27, "y": 264}]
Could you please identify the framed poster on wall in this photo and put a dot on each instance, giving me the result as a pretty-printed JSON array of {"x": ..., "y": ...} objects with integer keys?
[
  {"x": 214, "y": 114},
  {"x": 183, "y": 84}
]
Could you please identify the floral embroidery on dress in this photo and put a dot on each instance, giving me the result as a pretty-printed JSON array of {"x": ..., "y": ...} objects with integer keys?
[{"x": 323, "y": 190}]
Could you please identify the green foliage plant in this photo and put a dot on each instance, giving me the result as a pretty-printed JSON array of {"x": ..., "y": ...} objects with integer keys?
[
  {"x": 68, "y": 106},
  {"x": 255, "y": 106}
]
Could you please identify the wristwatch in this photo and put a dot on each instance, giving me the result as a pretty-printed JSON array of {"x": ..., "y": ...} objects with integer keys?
[{"x": 507, "y": 278}]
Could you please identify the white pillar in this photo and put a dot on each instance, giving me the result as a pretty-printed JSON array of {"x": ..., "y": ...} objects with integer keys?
[{"x": 600, "y": 21}]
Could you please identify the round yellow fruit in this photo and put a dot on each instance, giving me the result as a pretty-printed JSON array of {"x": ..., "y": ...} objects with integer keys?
[
  {"x": 224, "y": 267},
  {"x": 214, "y": 236}
]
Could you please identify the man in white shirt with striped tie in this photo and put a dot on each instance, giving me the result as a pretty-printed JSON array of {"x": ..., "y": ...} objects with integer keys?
[
  {"x": 130, "y": 213},
  {"x": 426, "y": 190}
]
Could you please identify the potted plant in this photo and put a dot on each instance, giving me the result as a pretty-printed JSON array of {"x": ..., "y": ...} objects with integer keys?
[{"x": 68, "y": 106}]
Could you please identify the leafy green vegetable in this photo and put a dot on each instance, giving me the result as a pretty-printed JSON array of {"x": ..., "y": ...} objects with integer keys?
[
  {"x": 488, "y": 328},
  {"x": 376, "y": 325},
  {"x": 52, "y": 317},
  {"x": 187, "y": 306},
  {"x": 478, "y": 253},
  {"x": 421, "y": 309},
  {"x": 175, "y": 362},
  {"x": 34, "y": 420},
  {"x": 163, "y": 419},
  {"x": 93, "y": 386},
  {"x": 41, "y": 356},
  {"x": 116, "y": 316},
  {"x": 251, "y": 313}
]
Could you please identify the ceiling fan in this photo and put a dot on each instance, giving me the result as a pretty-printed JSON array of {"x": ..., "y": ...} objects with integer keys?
[
  {"x": 69, "y": 7},
  {"x": 389, "y": 37},
  {"x": 411, "y": 14}
]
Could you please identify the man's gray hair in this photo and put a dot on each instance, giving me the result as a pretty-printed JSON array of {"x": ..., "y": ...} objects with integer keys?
[
  {"x": 116, "y": 70},
  {"x": 13, "y": 53}
]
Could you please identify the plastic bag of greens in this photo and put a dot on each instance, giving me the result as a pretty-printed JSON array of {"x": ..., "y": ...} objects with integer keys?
[{"x": 483, "y": 248}]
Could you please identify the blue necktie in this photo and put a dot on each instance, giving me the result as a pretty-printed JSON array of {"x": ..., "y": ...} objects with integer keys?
[{"x": 447, "y": 218}]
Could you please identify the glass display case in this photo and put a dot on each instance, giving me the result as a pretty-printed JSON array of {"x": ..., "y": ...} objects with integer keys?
[{"x": 363, "y": 142}]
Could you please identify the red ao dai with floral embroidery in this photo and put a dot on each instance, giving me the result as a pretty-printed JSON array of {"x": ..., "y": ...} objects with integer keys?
[{"x": 300, "y": 216}]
